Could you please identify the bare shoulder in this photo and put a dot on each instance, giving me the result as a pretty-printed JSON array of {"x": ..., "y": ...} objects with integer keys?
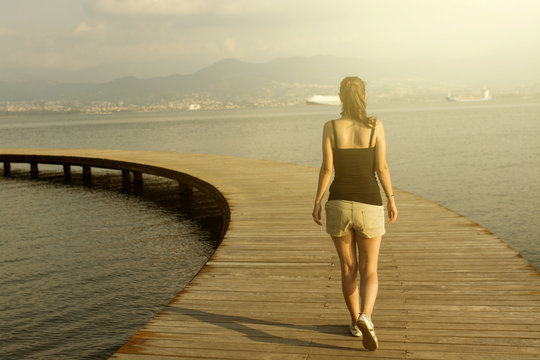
[
  {"x": 379, "y": 127},
  {"x": 328, "y": 126},
  {"x": 380, "y": 137},
  {"x": 329, "y": 122}
]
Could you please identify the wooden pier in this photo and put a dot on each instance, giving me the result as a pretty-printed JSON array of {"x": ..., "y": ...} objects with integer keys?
[{"x": 449, "y": 289}]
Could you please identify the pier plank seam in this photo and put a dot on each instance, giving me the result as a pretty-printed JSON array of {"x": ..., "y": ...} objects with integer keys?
[{"x": 449, "y": 289}]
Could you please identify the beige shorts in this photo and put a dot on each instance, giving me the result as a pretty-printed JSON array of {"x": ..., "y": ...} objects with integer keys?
[{"x": 342, "y": 216}]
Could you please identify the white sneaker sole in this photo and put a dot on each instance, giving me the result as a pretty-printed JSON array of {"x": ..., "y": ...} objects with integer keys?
[{"x": 369, "y": 339}]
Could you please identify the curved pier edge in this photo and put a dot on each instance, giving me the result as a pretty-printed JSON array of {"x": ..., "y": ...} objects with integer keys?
[
  {"x": 449, "y": 289},
  {"x": 473, "y": 223},
  {"x": 184, "y": 179}
]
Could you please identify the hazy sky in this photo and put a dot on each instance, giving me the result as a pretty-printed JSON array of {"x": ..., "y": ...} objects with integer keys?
[{"x": 40, "y": 38}]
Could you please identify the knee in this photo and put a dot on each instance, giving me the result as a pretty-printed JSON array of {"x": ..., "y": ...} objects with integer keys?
[
  {"x": 368, "y": 273},
  {"x": 349, "y": 269}
]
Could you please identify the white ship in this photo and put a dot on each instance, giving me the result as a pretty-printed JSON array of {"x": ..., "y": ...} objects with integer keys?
[
  {"x": 486, "y": 97},
  {"x": 323, "y": 100}
]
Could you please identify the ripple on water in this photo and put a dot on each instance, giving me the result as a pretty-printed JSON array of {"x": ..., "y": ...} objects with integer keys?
[{"x": 82, "y": 269}]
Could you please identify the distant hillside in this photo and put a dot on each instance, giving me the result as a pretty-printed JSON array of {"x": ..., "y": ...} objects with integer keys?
[
  {"x": 231, "y": 82},
  {"x": 226, "y": 80}
]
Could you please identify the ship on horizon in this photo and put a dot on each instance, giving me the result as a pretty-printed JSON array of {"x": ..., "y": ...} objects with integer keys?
[
  {"x": 485, "y": 97},
  {"x": 323, "y": 100}
]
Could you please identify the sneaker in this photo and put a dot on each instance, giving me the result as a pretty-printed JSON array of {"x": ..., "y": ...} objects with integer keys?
[
  {"x": 355, "y": 331},
  {"x": 369, "y": 339}
]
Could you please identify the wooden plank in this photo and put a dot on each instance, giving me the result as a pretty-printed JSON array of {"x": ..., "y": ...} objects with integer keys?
[{"x": 449, "y": 289}]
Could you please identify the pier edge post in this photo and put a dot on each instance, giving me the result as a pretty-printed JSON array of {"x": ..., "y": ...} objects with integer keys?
[
  {"x": 137, "y": 177},
  {"x": 7, "y": 168},
  {"x": 34, "y": 170},
  {"x": 87, "y": 175},
  {"x": 67, "y": 172},
  {"x": 126, "y": 177},
  {"x": 185, "y": 190}
]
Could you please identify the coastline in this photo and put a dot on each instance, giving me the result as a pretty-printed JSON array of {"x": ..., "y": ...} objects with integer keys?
[{"x": 108, "y": 107}]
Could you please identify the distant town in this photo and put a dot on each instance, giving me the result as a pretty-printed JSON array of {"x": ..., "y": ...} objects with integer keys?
[
  {"x": 106, "y": 107},
  {"x": 194, "y": 104}
]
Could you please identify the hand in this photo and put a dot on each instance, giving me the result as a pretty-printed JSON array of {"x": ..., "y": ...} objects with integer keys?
[
  {"x": 317, "y": 213},
  {"x": 392, "y": 211}
]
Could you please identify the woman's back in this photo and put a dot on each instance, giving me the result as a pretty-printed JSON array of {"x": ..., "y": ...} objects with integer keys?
[
  {"x": 351, "y": 134},
  {"x": 354, "y": 163}
]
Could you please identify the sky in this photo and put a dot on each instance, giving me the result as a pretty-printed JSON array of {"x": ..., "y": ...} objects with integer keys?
[{"x": 85, "y": 40}]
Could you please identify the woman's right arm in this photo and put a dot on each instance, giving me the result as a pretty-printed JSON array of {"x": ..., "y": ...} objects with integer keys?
[
  {"x": 383, "y": 172},
  {"x": 325, "y": 173}
]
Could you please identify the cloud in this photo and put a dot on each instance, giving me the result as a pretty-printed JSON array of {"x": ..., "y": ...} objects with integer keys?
[
  {"x": 5, "y": 32},
  {"x": 230, "y": 45},
  {"x": 220, "y": 7},
  {"x": 146, "y": 7},
  {"x": 84, "y": 27}
]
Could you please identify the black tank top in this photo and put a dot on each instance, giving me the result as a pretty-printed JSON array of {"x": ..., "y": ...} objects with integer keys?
[{"x": 354, "y": 178}]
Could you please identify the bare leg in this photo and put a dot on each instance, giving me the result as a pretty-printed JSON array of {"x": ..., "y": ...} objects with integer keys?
[
  {"x": 346, "y": 249},
  {"x": 368, "y": 255}
]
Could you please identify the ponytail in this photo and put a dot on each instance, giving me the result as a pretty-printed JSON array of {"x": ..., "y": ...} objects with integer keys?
[{"x": 352, "y": 90}]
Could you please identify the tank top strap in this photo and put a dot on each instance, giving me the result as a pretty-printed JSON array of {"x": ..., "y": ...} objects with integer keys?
[
  {"x": 371, "y": 136},
  {"x": 335, "y": 135}
]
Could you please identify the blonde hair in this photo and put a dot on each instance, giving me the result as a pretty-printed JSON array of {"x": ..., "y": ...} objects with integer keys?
[{"x": 352, "y": 91}]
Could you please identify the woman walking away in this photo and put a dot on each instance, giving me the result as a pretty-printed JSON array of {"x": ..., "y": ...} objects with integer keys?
[{"x": 355, "y": 146}]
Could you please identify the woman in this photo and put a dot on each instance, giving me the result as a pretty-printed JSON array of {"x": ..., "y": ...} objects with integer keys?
[{"x": 355, "y": 146}]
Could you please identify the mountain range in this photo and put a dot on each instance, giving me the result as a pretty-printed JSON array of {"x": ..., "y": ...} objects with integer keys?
[
  {"x": 226, "y": 80},
  {"x": 234, "y": 80}
]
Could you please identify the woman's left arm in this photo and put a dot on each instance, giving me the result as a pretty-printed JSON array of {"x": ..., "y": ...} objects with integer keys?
[
  {"x": 383, "y": 172},
  {"x": 325, "y": 173}
]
